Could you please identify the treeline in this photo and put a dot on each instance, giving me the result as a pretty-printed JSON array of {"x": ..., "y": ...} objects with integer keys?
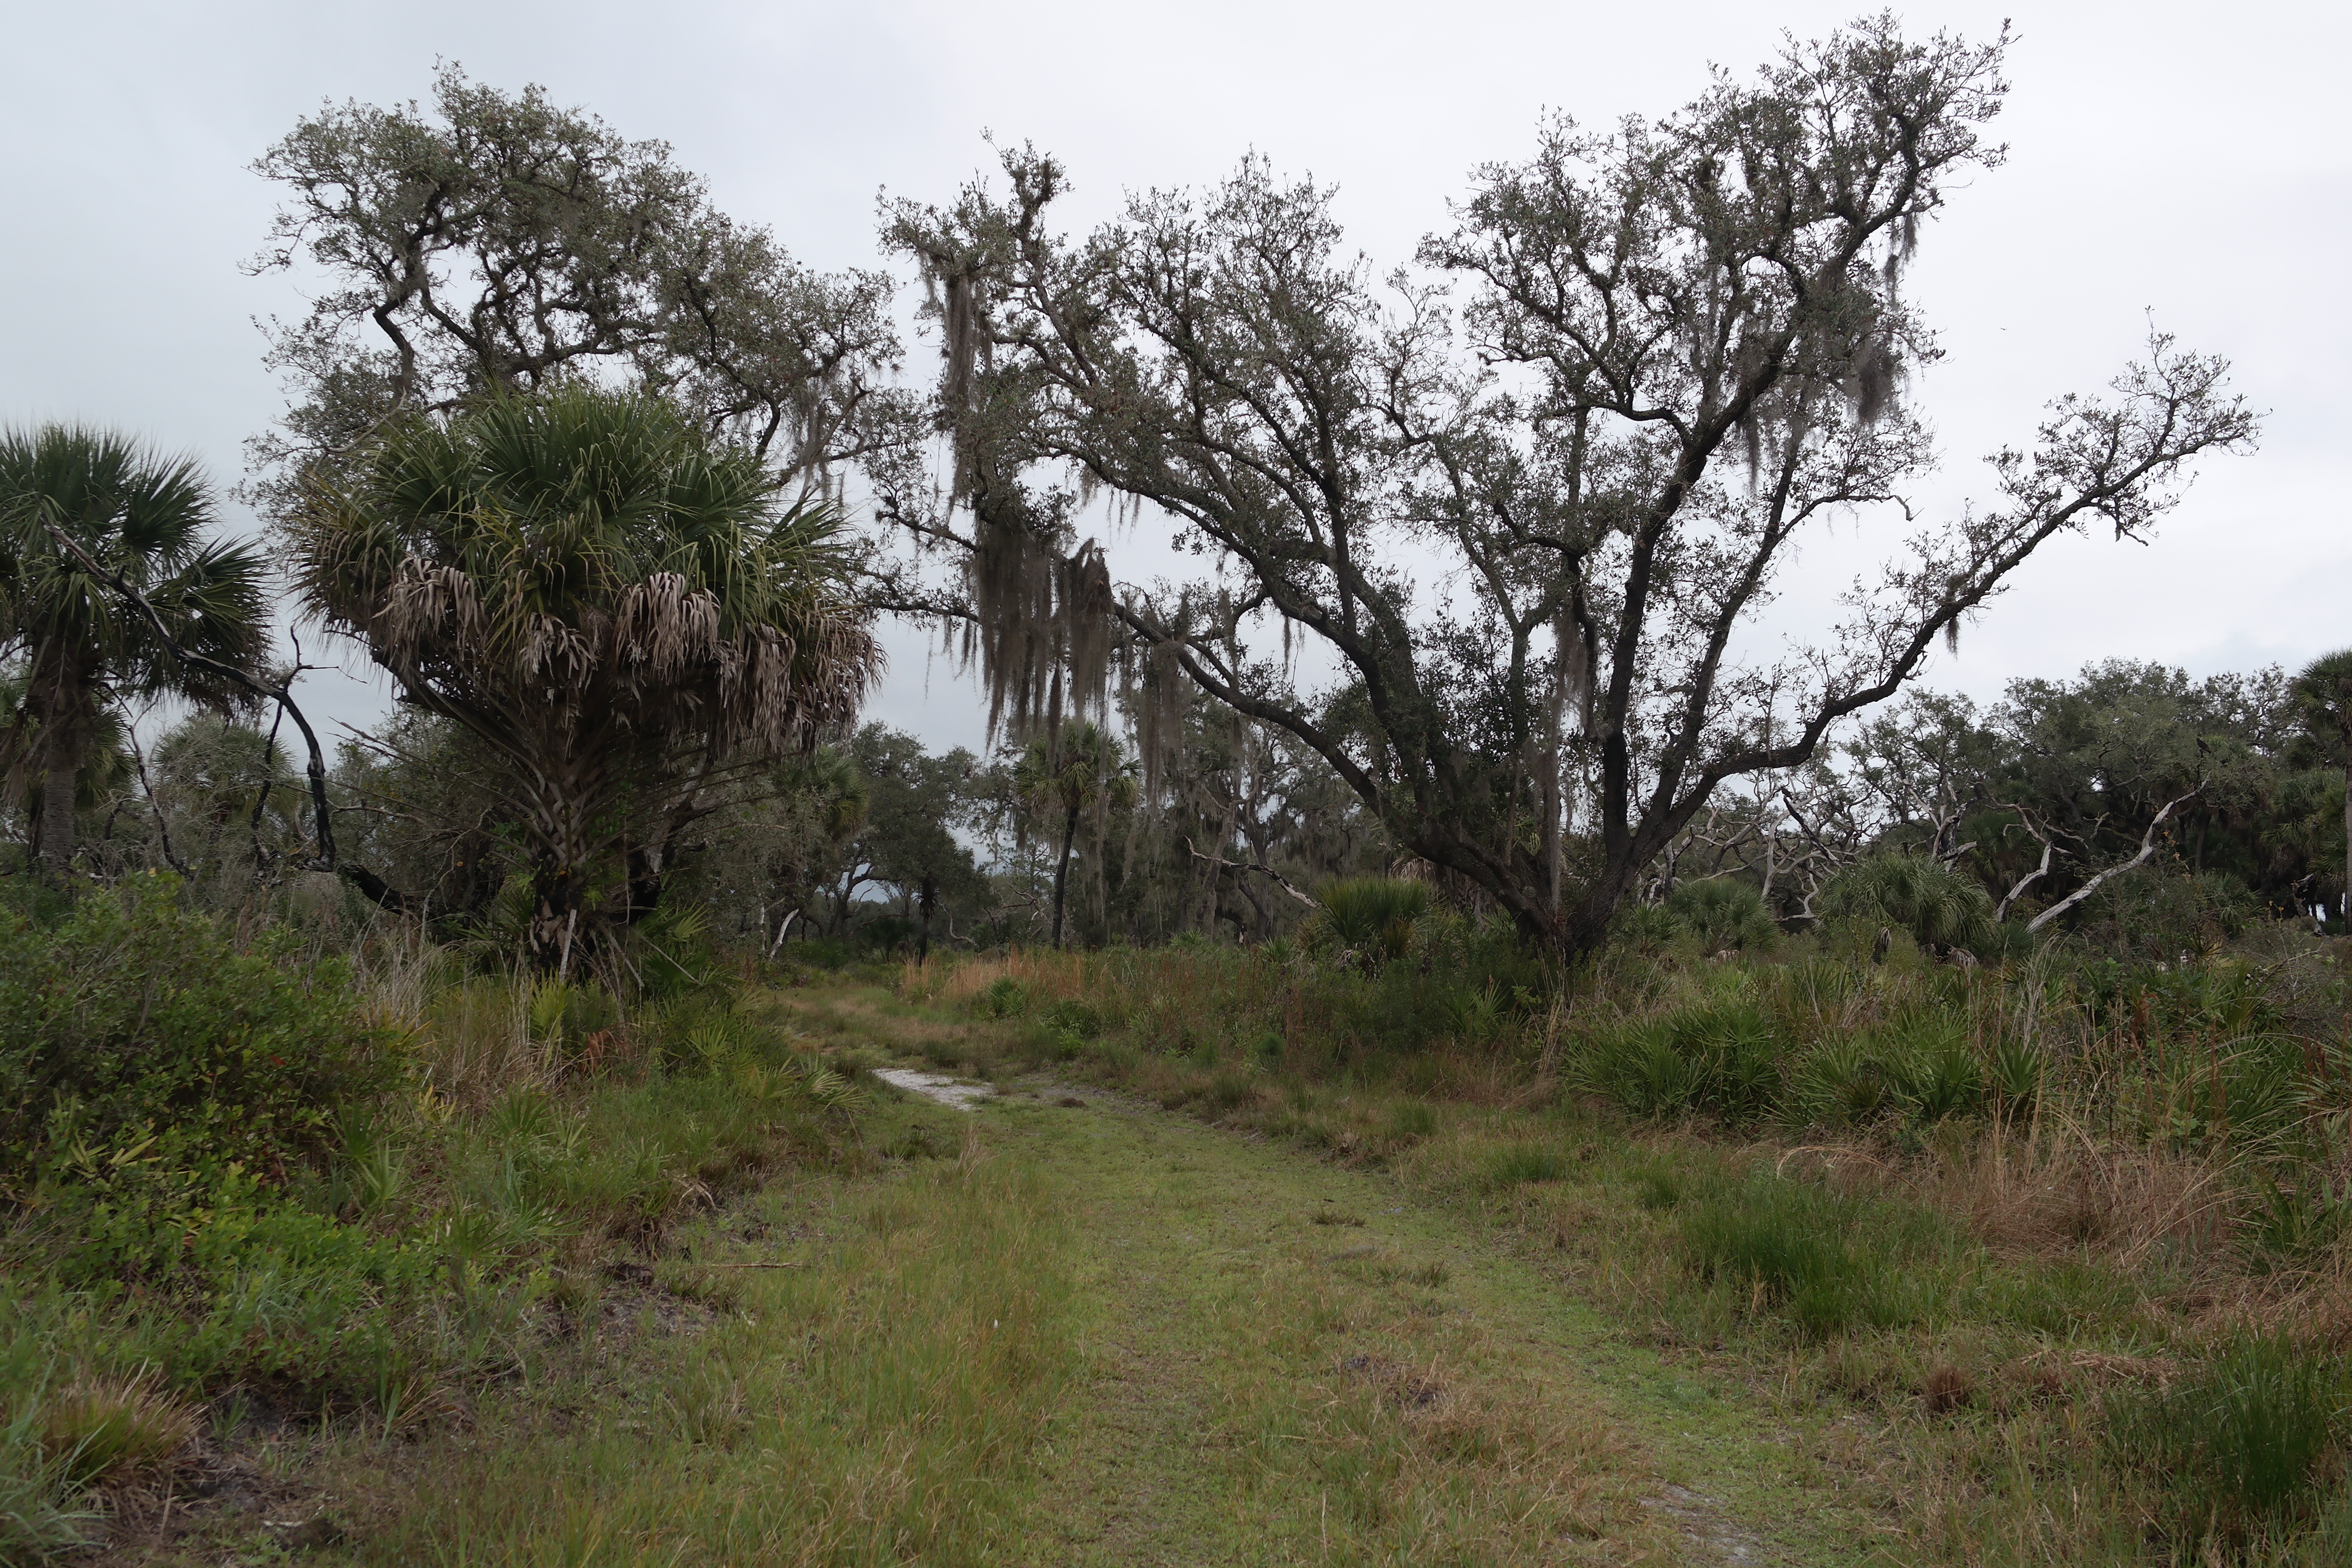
[
  {"x": 874, "y": 840},
  {"x": 2149, "y": 812},
  {"x": 612, "y": 491}
]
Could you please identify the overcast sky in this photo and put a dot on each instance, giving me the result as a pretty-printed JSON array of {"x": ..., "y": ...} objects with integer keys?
[{"x": 2194, "y": 161}]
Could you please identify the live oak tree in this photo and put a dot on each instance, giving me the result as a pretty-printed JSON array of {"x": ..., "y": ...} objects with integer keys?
[
  {"x": 498, "y": 241},
  {"x": 1065, "y": 775},
  {"x": 617, "y": 607},
  {"x": 908, "y": 842},
  {"x": 1528, "y": 500}
]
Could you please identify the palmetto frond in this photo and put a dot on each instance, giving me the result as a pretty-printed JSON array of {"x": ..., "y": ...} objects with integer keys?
[
  {"x": 2323, "y": 696},
  {"x": 134, "y": 517},
  {"x": 586, "y": 583}
]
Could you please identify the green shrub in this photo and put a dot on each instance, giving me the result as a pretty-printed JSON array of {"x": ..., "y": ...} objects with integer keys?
[
  {"x": 1373, "y": 915},
  {"x": 1006, "y": 998},
  {"x": 139, "y": 1046},
  {"x": 1725, "y": 1058},
  {"x": 1841, "y": 1083},
  {"x": 2296, "y": 1216},
  {"x": 1644, "y": 929},
  {"x": 1073, "y": 1017},
  {"x": 2151, "y": 914},
  {"x": 2013, "y": 1072},
  {"x": 1934, "y": 1071},
  {"x": 1934, "y": 904},
  {"x": 1642, "y": 1068},
  {"x": 2238, "y": 1449}
]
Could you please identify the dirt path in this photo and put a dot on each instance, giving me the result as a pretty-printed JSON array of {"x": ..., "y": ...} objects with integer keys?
[{"x": 1284, "y": 1361}]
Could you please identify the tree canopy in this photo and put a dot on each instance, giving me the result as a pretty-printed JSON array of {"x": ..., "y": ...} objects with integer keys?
[
  {"x": 498, "y": 241},
  {"x": 1643, "y": 365}
]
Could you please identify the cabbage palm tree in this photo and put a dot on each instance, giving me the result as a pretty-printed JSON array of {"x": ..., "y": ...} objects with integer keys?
[
  {"x": 1084, "y": 767},
  {"x": 617, "y": 607},
  {"x": 143, "y": 517},
  {"x": 2323, "y": 694}
]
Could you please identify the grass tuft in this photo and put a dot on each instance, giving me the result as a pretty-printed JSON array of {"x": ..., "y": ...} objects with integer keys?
[
  {"x": 103, "y": 1430},
  {"x": 2238, "y": 1450},
  {"x": 1799, "y": 1248},
  {"x": 1520, "y": 1163}
]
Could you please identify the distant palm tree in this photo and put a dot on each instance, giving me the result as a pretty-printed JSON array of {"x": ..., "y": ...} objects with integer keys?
[
  {"x": 141, "y": 516},
  {"x": 2323, "y": 694},
  {"x": 614, "y": 604},
  {"x": 1088, "y": 768}
]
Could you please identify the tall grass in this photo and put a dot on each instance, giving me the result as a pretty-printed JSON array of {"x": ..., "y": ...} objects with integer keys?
[
  {"x": 373, "y": 1242},
  {"x": 2239, "y": 1449}
]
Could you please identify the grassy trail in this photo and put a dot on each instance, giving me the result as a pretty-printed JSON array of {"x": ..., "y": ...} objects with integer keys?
[
  {"x": 1284, "y": 1361},
  {"x": 1096, "y": 1332}
]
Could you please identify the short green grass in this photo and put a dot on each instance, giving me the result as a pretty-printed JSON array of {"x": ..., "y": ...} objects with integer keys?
[{"x": 1943, "y": 1316}]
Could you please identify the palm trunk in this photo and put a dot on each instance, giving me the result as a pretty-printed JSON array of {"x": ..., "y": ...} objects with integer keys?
[
  {"x": 60, "y": 702},
  {"x": 559, "y": 937},
  {"x": 556, "y": 939},
  {"x": 1062, "y": 873},
  {"x": 57, "y": 844}
]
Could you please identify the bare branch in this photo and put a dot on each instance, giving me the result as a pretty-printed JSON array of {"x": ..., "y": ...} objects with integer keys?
[{"x": 2147, "y": 850}]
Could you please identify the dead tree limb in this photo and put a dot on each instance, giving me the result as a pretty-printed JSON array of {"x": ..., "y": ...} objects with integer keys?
[
  {"x": 1280, "y": 881},
  {"x": 2049, "y": 852},
  {"x": 2146, "y": 849},
  {"x": 155, "y": 806}
]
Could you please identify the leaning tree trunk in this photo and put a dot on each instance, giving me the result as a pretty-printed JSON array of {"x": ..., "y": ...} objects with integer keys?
[{"x": 1062, "y": 873}]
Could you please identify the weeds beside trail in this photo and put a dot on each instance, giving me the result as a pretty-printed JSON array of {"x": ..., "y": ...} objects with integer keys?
[
  {"x": 2047, "y": 1265},
  {"x": 1246, "y": 1258}
]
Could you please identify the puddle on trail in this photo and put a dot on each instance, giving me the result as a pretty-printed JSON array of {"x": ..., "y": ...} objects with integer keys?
[{"x": 936, "y": 1086}]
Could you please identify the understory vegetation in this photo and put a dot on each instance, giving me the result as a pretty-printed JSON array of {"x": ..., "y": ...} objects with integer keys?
[
  {"x": 2040, "y": 1259},
  {"x": 254, "y": 1181},
  {"x": 2070, "y": 1235}
]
